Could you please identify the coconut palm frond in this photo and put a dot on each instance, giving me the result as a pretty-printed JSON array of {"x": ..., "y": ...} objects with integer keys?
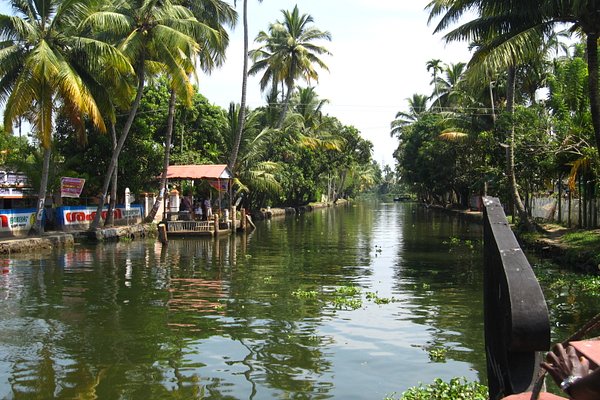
[
  {"x": 578, "y": 167},
  {"x": 453, "y": 136}
]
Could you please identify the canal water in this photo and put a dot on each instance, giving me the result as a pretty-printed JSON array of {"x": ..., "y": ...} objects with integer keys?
[{"x": 356, "y": 302}]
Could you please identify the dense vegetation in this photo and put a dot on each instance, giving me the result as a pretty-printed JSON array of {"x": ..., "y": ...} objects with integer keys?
[
  {"x": 517, "y": 120},
  {"x": 106, "y": 87}
]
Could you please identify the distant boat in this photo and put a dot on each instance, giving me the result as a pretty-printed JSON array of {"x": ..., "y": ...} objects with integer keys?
[{"x": 404, "y": 197}]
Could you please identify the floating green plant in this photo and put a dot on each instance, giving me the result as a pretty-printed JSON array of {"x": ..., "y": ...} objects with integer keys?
[
  {"x": 456, "y": 388},
  {"x": 345, "y": 303},
  {"x": 305, "y": 294},
  {"x": 372, "y": 296},
  {"x": 347, "y": 291},
  {"x": 437, "y": 354}
]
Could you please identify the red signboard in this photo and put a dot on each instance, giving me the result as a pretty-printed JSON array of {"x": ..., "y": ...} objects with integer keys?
[
  {"x": 220, "y": 185},
  {"x": 71, "y": 187}
]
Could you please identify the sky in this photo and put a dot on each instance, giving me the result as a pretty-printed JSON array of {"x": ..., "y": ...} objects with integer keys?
[{"x": 379, "y": 53}]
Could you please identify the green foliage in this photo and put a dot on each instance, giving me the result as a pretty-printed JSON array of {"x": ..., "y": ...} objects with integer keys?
[
  {"x": 455, "y": 389},
  {"x": 455, "y": 243},
  {"x": 14, "y": 150},
  {"x": 582, "y": 247},
  {"x": 582, "y": 240}
]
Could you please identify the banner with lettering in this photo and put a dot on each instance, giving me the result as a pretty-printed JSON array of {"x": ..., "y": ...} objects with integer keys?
[{"x": 71, "y": 187}]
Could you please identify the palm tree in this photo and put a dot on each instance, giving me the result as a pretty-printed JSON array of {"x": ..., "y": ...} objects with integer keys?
[
  {"x": 242, "y": 114},
  {"x": 288, "y": 52},
  {"x": 435, "y": 65},
  {"x": 255, "y": 171},
  {"x": 447, "y": 87},
  {"x": 46, "y": 60},
  {"x": 158, "y": 36},
  {"x": 309, "y": 106},
  {"x": 212, "y": 13},
  {"x": 417, "y": 105}
]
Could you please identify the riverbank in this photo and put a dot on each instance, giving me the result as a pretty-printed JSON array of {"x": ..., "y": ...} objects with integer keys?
[
  {"x": 574, "y": 249},
  {"x": 268, "y": 213}
]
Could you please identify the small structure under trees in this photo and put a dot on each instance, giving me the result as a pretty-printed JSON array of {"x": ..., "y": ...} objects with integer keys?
[{"x": 186, "y": 222}]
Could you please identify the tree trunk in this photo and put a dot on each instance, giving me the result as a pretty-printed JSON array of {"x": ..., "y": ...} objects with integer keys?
[
  {"x": 115, "y": 156},
  {"x": 559, "y": 199},
  {"x": 592, "y": 59},
  {"x": 110, "y": 217},
  {"x": 286, "y": 104},
  {"x": 163, "y": 178},
  {"x": 38, "y": 227},
  {"x": 524, "y": 218},
  {"x": 340, "y": 190},
  {"x": 242, "y": 111},
  {"x": 288, "y": 95}
]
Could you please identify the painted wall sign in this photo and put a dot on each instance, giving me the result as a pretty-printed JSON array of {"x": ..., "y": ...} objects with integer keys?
[
  {"x": 16, "y": 221},
  {"x": 79, "y": 215}
]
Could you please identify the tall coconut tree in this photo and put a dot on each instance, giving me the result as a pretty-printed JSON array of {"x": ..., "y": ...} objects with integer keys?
[
  {"x": 242, "y": 112},
  {"x": 435, "y": 65},
  {"x": 256, "y": 174},
  {"x": 309, "y": 106},
  {"x": 290, "y": 52},
  {"x": 46, "y": 60},
  {"x": 156, "y": 35},
  {"x": 447, "y": 85}
]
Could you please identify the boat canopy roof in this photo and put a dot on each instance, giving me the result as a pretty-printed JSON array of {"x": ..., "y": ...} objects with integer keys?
[{"x": 206, "y": 171}]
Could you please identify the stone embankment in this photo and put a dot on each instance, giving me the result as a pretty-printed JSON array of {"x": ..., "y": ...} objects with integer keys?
[
  {"x": 52, "y": 240},
  {"x": 139, "y": 231},
  {"x": 36, "y": 244}
]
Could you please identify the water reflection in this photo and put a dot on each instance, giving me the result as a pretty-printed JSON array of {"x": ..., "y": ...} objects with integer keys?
[{"x": 219, "y": 318}]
